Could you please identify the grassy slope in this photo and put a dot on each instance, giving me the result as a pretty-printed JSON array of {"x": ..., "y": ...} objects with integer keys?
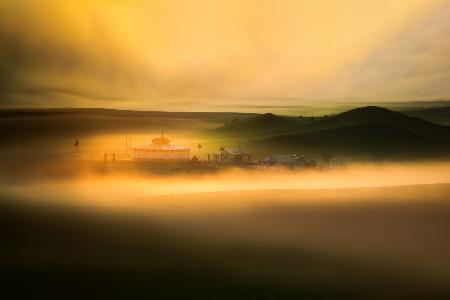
[
  {"x": 369, "y": 140},
  {"x": 255, "y": 127},
  {"x": 364, "y": 132},
  {"x": 260, "y": 125},
  {"x": 439, "y": 115},
  {"x": 30, "y": 123}
]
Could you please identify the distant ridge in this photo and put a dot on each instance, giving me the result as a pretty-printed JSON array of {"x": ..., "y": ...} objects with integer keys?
[
  {"x": 263, "y": 122},
  {"x": 370, "y": 131},
  {"x": 271, "y": 124},
  {"x": 380, "y": 115},
  {"x": 370, "y": 139},
  {"x": 17, "y": 124},
  {"x": 439, "y": 115}
]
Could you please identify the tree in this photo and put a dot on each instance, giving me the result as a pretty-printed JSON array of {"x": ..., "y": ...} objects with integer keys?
[{"x": 199, "y": 146}]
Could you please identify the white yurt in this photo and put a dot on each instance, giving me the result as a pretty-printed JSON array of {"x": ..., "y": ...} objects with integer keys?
[{"x": 161, "y": 149}]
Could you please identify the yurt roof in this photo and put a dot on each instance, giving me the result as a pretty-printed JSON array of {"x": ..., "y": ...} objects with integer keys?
[{"x": 161, "y": 147}]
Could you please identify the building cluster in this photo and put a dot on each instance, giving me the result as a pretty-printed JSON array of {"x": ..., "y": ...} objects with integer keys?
[
  {"x": 290, "y": 161},
  {"x": 161, "y": 149}
]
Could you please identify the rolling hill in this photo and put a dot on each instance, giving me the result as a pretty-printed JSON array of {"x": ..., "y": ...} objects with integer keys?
[
  {"x": 374, "y": 114},
  {"x": 21, "y": 124},
  {"x": 260, "y": 124},
  {"x": 265, "y": 125},
  {"x": 364, "y": 132},
  {"x": 281, "y": 125},
  {"x": 439, "y": 115},
  {"x": 369, "y": 140}
]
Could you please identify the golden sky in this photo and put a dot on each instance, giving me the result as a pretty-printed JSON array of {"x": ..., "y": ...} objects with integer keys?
[{"x": 221, "y": 54}]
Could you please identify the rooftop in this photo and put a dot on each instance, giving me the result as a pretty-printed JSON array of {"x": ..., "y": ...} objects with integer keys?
[
  {"x": 230, "y": 150},
  {"x": 161, "y": 144}
]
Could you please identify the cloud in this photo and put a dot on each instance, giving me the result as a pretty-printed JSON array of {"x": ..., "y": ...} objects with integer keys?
[
  {"x": 413, "y": 65},
  {"x": 157, "y": 54}
]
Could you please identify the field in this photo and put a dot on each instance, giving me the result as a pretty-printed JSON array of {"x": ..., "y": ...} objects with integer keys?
[
  {"x": 376, "y": 227},
  {"x": 357, "y": 243}
]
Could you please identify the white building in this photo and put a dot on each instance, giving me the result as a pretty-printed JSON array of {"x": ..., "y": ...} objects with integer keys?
[
  {"x": 160, "y": 149},
  {"x": 290, "y": 161},
  {"x": 232, "y": 156}
]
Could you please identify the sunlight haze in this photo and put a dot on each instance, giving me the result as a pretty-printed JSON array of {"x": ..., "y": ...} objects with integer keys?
[{"x": 218, "y": 55}]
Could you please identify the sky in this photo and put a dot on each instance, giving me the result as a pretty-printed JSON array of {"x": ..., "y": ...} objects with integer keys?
[{"x": 203, "y": 55}]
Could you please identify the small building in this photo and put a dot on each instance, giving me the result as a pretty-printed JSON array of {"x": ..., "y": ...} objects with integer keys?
[
  {"x": 289, "y": 161},
  {"x": 160, "y": 149},
  {"x": 282, "y": 160},
  {"x": 230, "y": 155},
  {"x": 307, "y": 163}
]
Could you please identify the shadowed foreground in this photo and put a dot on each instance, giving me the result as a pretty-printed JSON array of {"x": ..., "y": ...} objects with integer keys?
[{"x": 377, "y": 243}]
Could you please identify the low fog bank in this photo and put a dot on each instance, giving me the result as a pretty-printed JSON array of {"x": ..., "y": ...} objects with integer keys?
[
  {"x": 100, "y": 184},
  {"x": 363, "y": 231},
  {"x": 356, "y": 243},
  {"x": 403, "y": 228}
]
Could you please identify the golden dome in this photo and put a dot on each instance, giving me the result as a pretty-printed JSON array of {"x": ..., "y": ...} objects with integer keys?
[{"x": 160, "y": 140}]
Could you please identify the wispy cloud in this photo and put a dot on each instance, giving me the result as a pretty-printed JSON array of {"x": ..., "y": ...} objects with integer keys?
[
  {"x": 158, "y": 54},
  {"x": 412, "y": 65}
]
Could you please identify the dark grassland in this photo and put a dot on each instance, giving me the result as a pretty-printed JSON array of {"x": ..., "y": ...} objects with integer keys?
[{"x": 367, "y": 250}]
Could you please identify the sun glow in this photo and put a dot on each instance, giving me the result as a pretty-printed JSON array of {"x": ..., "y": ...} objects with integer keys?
[{"x": 203, "y": 55}]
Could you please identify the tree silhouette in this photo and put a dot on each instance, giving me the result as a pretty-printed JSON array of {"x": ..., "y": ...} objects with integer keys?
[{"x": 199, "y": 146}]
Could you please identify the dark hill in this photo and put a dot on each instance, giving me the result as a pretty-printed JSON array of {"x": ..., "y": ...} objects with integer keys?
[
  {"x": 370, "y": 112},
  {"x": 374, "y": 114},
  {"x": 260, "y": 123},
  {"x": 439, "y": 115},
  {"x": 26, "y": 124},
  {"x": 370, "y": 139},
  {"x": 272, "y": 125}
]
